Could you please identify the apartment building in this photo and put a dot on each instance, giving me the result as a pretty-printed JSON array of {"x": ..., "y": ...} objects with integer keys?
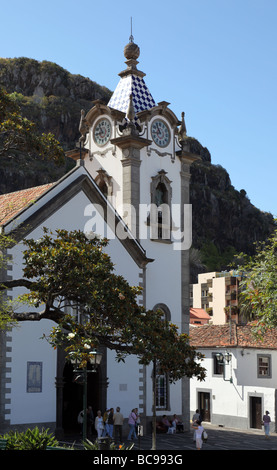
[{"x": 217, "y": 294}]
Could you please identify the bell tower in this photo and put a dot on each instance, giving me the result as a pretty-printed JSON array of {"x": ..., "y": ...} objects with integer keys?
[
  {"x": 134, "y": 150},
  {"x": 138, "y": 153}
]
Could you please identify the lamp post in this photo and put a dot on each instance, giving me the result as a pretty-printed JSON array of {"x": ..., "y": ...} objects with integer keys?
[
  {"x": 94, "y": 359},
  {"x": 223, "y": 360},
  {"x": 154, "y": 395}
]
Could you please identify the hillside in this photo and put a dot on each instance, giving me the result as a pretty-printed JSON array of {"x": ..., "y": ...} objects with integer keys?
[{"x": 224, "y": 220}]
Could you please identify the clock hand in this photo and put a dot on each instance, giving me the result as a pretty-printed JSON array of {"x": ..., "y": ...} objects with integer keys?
[{"x": 102, "y": 132}]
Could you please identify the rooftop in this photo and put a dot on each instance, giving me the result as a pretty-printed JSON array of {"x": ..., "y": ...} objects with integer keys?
[
  {"x": 199, "y": 313},
  {"x": 12, "y": 204},
  {"x": 214, "y": 336},
  {"x": 199, "y": 316}
]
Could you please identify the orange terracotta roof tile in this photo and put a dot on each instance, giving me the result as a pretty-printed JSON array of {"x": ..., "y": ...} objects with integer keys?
[
  {"x": 12, "y": 204},
  {"x": 199, "y": 313},
  {"x": 212, "y": 336}
]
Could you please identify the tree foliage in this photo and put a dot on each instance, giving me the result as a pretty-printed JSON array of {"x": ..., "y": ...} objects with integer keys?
[
  {"x": 216, "y": 259},
  {"x": 258, "y": 296},
  {"x": 73, "y": 278},
  {"x": 19, "y": 135}
]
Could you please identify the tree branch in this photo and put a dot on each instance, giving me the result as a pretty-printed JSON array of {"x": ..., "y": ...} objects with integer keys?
[
  {"x": 15, "y": 283},
  {"x": 46, "y": 314}
]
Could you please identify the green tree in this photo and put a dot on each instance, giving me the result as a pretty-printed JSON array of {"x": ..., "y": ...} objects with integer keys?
[
  {"x": 69, "y": 272},
  {"x": 215, "y": 259},
  {"x": 258, "y": 296},
  {"x": 19, "y": 135}
]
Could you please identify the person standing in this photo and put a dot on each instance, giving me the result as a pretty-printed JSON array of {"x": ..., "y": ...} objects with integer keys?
[
  {"x": 99, "y": 424},
  {"x": 132, "y": 425},
  {"x": 80, "y": 420},
  {"x": 266, "y": 420},
  {"x": 198, "y": 434},
  {"x": 110, "y": 423},
  {"x": 196, "y": 417},
  {"x": 105, "y": 419},
  {"x": 137, "y": 420},
  {"x": 118, "y": 423}
]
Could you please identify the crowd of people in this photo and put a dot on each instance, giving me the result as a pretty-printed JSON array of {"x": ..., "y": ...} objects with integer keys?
[{"x": 110, "y": 423}]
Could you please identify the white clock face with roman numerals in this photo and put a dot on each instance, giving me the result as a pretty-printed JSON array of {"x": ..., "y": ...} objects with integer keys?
[
  {"x": 160, "y": 133},
  {"x": 102, "y": 131}
]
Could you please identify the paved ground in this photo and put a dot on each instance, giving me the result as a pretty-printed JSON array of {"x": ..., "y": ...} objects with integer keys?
[{"x": 218, "y": 439}]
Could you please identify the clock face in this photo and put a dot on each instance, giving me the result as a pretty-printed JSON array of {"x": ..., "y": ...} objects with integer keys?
[
  {"x": 160, "y": 133},
  {"x": 102, "y": 131}
]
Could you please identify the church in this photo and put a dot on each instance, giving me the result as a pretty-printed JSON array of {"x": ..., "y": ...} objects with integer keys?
[{"x": 130, "y": 184}]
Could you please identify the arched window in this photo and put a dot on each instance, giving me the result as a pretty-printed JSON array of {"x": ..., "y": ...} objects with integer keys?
[
  {"x": 164, "y": 309},
  {"x": 160, "y": 214},
  {"x": 104, "y": 182},
  {"x": 104, "y": 188},
  {"x": 161, "y": 194}
]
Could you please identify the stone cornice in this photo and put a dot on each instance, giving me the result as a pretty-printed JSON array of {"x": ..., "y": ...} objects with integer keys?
[{"x": 127, "y": 141}]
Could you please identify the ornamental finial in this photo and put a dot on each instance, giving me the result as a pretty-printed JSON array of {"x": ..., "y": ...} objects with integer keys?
[{"x": 182, "y": 130}]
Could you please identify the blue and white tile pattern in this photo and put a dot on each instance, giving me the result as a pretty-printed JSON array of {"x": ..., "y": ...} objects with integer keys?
[{"x": 142, "y": 98}]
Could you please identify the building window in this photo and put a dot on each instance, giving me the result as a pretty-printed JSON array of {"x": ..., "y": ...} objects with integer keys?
[
  {"x": 162, "y": 382},
  {"x": 264, "y": 366},
  {"x": 218, "y": 366},
  {"x": 160, "y": 215},
  {"x": 103, "y": 187},
  {"x": 34, "y": 377},
  {"x": 161, "y": 391},
  {"x": 104, "y": 182},
  {"x": 166, "y": 315}
]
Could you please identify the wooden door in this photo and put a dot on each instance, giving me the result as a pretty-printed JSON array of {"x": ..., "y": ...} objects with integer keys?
[
  {"x": 204, "y": 405},
  {"x": 256, "y": 412}
]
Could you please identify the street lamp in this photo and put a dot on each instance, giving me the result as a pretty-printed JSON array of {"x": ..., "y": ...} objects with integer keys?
[
  {"x": 154, "y": 396},
  {"x": 94, "y": 358},
  {"x": 224, "y": 359}
]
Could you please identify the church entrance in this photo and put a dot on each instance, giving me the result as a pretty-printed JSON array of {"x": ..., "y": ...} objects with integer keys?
[{"x": 73, "y": 396}]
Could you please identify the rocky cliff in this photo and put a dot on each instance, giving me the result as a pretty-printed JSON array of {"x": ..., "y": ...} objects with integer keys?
[
  {"x": 224, "y": 220},
  {"x": 50, "y": 96}
]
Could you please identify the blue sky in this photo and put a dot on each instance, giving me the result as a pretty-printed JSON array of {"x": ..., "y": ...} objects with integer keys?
[{"x": 213, "y": 59}]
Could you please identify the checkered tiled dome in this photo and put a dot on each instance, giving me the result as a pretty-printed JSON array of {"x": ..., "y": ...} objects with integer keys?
[{"x": 142, "y": 98}]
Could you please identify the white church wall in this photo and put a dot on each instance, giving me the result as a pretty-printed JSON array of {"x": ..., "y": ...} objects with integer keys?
[
  {"x": 123, "y": 389},
  {"x": 162, "y": 288},
  {"x": 28, "y": 404},
  {"x": 26, "y": 407}
]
